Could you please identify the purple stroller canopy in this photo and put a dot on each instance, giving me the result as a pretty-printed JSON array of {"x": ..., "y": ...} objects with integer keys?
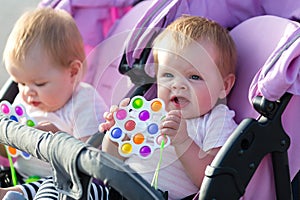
[{"x": 228, "y": 13}]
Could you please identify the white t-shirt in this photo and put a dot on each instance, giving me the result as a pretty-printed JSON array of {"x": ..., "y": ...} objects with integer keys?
[
  {"x": 79, "y": 117},
  {"x": 209, "y": 131}
]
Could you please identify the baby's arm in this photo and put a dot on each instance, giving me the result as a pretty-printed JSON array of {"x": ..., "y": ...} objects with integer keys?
[
  {"x": 192, "y": 157},
  {"x": 108, "y": 145},
  {"x": 47, "y": 126}
]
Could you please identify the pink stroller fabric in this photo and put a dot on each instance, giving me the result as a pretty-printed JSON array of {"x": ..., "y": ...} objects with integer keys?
[
  {"x": 228, "y": 13},
  {"x": 93, "y": 18},
  {"x": 268, "y": 54},
  {"x": 104, "y": 59}
]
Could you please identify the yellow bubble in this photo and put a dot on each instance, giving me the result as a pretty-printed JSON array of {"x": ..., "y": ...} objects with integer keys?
[
  {"x": 156, "y": 106},
  {"x": 126, "y": 148}
]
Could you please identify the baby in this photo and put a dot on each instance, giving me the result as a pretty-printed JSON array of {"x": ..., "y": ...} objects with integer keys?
[{"x": 45, "y": 56}]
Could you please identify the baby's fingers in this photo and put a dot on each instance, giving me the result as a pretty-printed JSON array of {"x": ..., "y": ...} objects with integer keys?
[
  {"x": 106, "y": 126},
  {"x": 124, "y": 102},
  {"x": 173, "y": 116},
  {"x": 169, "y": 125},
  {"x": 113, "y": 108}
]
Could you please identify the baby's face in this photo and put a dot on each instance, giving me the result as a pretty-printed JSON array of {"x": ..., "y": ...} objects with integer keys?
[
  {"x": 42, "y": 83},
  {"x": 189, "y": 80}
]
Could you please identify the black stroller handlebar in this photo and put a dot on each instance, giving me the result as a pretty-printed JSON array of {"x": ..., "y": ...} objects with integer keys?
[
  {"x": 116, "y": 174},
  {"x": 234, "y": 165},
  {"x": 73, "y": 169}
]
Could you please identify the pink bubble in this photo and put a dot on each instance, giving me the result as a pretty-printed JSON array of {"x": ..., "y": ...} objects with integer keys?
[
  {"x": 121, "y": 114},
  {"x": 5, "y": 109},
  {"x": 161, "y": 138}
]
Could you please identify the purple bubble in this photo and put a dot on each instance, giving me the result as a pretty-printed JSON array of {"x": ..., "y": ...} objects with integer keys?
[
  {"x": 19, "y": 110},
  {"x": 145, "y": 151},
  {"x": 144, "y": 115}
]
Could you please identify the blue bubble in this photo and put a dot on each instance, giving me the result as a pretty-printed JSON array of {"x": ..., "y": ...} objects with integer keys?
[
  {"x": 153, "y": 128},
  {"x": 25, "y": 154},
  {"x": 116, "y": 133},
  {"x": 14, "y": 118}
]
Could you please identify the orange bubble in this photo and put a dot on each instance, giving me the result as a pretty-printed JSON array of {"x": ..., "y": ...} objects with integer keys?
[
  {"x": 126, "y": 148},
  {"x": 12, "y": 151},
  {"x": 138, "y": 138},
  {"x": 156, "y": 106}
]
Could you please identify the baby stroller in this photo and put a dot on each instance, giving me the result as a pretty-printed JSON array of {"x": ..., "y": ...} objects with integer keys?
[{"x": 245, "y": 161}]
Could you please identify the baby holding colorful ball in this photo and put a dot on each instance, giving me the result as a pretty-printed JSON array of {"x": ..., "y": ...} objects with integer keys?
[{"x": 195, "y": 62}]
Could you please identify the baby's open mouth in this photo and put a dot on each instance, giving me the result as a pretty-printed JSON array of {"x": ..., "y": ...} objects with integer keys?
[{"x": 179, "y": 102}]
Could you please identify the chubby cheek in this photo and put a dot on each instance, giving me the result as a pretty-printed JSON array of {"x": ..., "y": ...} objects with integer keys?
[
  {"x": 163, "y": 93},
  {"x": 203, "y": 101},
  {"x": 21, "y": 92},
  {"x": 51, "y": 104},
  {"x": 54, "y": 99}
]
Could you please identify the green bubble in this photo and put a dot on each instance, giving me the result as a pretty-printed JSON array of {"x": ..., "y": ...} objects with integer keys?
[
  {"x": 30, "y": 123},
  {"x": 137, "y": 103}
]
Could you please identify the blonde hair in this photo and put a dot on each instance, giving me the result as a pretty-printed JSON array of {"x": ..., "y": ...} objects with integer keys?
[
  {"x": 54, "y": 30},
  {"x": 188, "y": 29}
]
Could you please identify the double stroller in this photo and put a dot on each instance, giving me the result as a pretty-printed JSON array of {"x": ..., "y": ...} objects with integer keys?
[{"x": 259, "y": 160}]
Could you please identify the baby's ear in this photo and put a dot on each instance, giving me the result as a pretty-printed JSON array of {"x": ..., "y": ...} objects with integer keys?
[
  {"x": 75, "y": 68},
  {"x": 228, "y": 81}
]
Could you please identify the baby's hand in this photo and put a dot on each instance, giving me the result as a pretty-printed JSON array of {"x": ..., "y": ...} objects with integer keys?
[
  {"x": 175, "y": 127},
  {"x": 109, "y": 116},
  {"x": 47, "y": 126}
]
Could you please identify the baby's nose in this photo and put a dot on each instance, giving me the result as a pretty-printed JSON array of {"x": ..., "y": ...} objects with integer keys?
[
  {"x": 179, "y": 85},
  {"x": 28, "y": 91}
]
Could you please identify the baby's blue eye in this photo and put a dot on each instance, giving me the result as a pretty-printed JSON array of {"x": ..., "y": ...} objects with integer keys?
[
  {"x": 169, "y": 75},
  {"x": 195, "y": 77}
]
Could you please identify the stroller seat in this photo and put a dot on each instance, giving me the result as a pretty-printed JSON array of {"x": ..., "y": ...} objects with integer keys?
[
  {"x": 105, "y": 58},
  {"x": 262, "y": 46}
]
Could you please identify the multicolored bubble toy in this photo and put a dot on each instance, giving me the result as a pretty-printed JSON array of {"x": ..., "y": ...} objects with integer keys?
[
  {"x": 137, "y": 127},
  {"x": 18, "y": 114}
]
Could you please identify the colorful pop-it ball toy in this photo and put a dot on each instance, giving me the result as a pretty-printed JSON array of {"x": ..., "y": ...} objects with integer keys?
[
  {"x": 137, "y": 127},
  {"x": 18, "y": 114}
]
